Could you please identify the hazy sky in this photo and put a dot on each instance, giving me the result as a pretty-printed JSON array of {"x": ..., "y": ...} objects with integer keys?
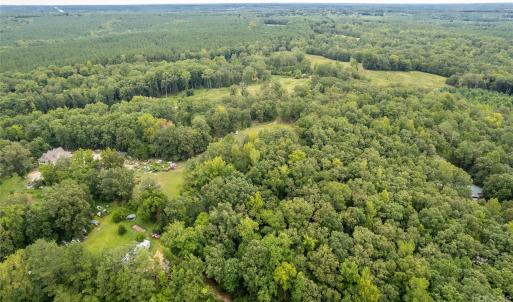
[{"x": 80, "y": 2}]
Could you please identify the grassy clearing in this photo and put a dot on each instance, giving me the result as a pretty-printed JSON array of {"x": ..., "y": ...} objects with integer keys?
[
  {"x": 170, "y": 181},
  {"x": 410, "y": 78},
  {"x": 105, "y": 236},
  {"x": 8, "y": 186},
  {"x": 390, "y": 78},
  {"x": 219, "y": 93},
  {"x": 315, "y": 60},
  {"x": 289, "y": 83}
]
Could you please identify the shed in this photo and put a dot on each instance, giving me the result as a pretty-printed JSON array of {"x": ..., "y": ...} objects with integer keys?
[
  {"x": 138, "y": 228},
  {"x": 130, "y": 217},
  {"x": 476, "y": 192}
]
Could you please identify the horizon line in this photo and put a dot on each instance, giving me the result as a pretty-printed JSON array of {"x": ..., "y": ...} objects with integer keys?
[
  {"x": 223, "y": 2},
  {"x": 247, "y": 3}
]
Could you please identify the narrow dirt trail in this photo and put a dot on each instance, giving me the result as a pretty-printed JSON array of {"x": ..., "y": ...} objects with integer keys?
[{"x": 218, "y": 292}]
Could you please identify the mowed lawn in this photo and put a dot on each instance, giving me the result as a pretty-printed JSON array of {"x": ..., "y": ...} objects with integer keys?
[
  {"x": 170, "y": 181},
  {"x": 105, "y": 236},
  {"x": 390, "y": 78}
]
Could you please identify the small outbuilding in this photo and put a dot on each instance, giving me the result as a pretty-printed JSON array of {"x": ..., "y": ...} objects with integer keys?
[
  {"x": 476, "y": 192},
  {"x": 131, "y": 217},
  {"x": 138, "y": 228}
]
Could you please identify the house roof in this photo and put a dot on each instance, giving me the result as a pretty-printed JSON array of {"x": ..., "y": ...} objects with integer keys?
[
  {"x": 54, "y": 155},
  {"x": 476, "y": 191}
]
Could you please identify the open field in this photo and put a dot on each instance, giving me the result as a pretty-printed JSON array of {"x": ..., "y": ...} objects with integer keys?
[
  {"x": 170, "y": 181},
  {"x": 289, "y": 83},
  {"x": 219, "y": 93},
  {"x": 391, "y": 78}
]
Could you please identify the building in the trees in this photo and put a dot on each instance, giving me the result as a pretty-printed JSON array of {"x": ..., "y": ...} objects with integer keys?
[
  {"x": 476, "y": 192},
  {"x": 52, "y": 156}
]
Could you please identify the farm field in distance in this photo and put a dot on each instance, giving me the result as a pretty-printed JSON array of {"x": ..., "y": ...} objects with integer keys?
[{"x": 256, "y": 152}]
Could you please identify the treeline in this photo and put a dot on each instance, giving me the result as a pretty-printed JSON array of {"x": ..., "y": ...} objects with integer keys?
[
  {"x": 276, "y": 21},
  {"x": 483, "y": 96},
  {"x": 437, "y": 51},
  {"x": 144, "y": 127},
  {"x": 43, "y": 270},
  {"x": 77, "y": 86},
  {"x": 500, "y": 83},
  {"x": 46, "y": 271}
]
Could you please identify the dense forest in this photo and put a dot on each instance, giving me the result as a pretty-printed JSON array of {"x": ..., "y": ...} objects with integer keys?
[{"x": 256, "y": 153}]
